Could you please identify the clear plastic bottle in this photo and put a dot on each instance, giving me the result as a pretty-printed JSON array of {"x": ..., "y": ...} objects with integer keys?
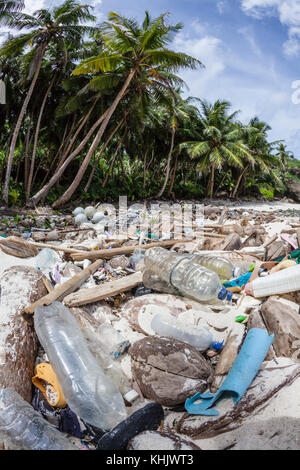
[
  {"x": 282, "y": 282},
  {"x": 46, "y": 259},
  {"x": 189, "y": 278},
  {"x": 223, "y": 267},
  {"x": 166, "y": 325},
  {"x": 114, "y": 343},
  {"x": 89, "y": 393},
  {"x": 137, "y": 256},
  {"x": 23, "y": 428},
  {"x": 110, "y": 367}
]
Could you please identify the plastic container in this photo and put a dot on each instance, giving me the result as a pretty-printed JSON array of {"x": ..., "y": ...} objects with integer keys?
[
  {"x": 137, "y": 256},
  {"x": 187, "y": 277},
  {"x": 166, "y": 325},
  {"x": 46, "y": 259},
  {"x": 223, "y": 267},
  {"x": 88, "y": 392},
  {"x": 114, "y": 343},
  {"x": 110, "y": 367},
  {"x": 282, "y": 282},
  {"x": 23, "y": 428}
]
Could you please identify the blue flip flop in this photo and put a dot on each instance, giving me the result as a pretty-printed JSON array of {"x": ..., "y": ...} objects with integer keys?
[{"x": 240, "y": 376}]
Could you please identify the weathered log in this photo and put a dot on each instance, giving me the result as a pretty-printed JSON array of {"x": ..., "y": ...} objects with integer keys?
[
  {"x": 66, "y": 288},
  {"x": 109, "y": 289}
]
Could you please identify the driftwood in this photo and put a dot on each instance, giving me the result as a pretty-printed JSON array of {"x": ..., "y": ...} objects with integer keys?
[
  {"x": 66, "y": 288},
  {"x": 18, "y": 247},
  {"x": 54, "y": 247},
  {"x": 109, "y": 289},
  {"x": 124, "y": 250}
]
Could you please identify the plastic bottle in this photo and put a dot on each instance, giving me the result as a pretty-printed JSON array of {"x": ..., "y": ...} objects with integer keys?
[
  {"x": 114, "y": 343},
  {"x": 110, "y": 367},
  {"x": 166, "y": 325},
  {"x": 46, "y": 259},
  {"x": 89, "y": 393},
  {"x": 282, "y": 282},
  {"x": 137, "y": 256},
  {"x": 187, "y": 277},
  {"x": 223, "y": 267},
  {"x": 23, "y": 428}
]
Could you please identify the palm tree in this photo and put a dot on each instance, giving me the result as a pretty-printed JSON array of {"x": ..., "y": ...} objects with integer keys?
[
  {"x": 130, "y": 54},
  {"x": 284, "y": 155},
  {"x": 259, "y": 155},
  {"x": 61, "y": 26},
  {"x": 176, "y": 112},
  {"x": 219, "y": 140}
]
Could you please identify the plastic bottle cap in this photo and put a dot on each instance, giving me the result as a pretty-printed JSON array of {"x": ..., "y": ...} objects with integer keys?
[
  {"x": 222, "y": 294},
  {"x": 217, "y": 345},
  {"x": 131, "y": 396},
  {"x": 229, "y": 295}
]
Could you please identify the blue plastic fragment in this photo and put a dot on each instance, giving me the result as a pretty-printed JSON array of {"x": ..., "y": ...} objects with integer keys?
[
  {"x": 239, "y": 378},
  {"x": 240, "y": 281}
]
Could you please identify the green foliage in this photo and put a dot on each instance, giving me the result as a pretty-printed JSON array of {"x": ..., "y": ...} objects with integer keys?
[{"x": 267, "y": 191}]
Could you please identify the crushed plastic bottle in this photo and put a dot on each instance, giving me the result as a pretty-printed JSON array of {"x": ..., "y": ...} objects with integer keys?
[
  {"x": 46, "y": 259},
  {"x": 113, "y": 342},
  {"x": 88, "y": 392},
  {"x": 137, "y": 256},
  {"x": 23, "y": 428},
  {"x": 187, "y": 277},
  {"x": 166, "y": 325}
]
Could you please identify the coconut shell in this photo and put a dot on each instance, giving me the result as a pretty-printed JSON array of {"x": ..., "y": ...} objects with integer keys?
[{"x": 169, "y": 371}]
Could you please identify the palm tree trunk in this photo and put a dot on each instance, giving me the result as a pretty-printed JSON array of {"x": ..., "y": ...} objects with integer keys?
[
  {"x": 82, "y": 124},
  {"x": 43, "y": 192},
  {"x": 173, "y": 176},
  {"x": 240, "y": 179},
  {"x": 222, "y": 180},
  {"x": 113, "y": 160},
  {"x": 72, "y": 188},
  {"x": 101, "y": 152},
  {"x": 145, "y": 168},
  {"x": 168, "y": 164},
  {"x": 36, "y": 138},
  {"x": 26, "y": 159},
  {"x": 19, "y": 123},
  {"x": 212, "y": 181}
]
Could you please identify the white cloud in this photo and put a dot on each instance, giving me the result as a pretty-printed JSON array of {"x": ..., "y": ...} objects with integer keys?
[
  {"x": 288, "y": 12},
  {"x": 291, "y": 47},
  {"x": 243, "y": 81}
]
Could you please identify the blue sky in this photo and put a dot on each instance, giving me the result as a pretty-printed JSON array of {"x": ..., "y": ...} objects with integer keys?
[{"x": 250, "y": 48}]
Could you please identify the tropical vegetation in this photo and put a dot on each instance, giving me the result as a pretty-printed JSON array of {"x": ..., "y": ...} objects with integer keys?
[{"x": 97, "y": 110}]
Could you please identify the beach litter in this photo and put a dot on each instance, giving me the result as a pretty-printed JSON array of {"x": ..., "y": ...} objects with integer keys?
[{"x": 105, "y": 339}]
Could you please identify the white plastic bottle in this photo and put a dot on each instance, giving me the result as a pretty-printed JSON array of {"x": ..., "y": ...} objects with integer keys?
[
  {"x": 88, "y": 392},
  {"x": 187, "y": 277},
  {"x": 23, "y": 428},
  {"x": 282, "y": 282},
  {"x": 166, "y": 325}
]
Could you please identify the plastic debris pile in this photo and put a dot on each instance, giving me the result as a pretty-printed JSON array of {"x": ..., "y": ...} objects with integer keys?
[{"x": 152, "y": 339}]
